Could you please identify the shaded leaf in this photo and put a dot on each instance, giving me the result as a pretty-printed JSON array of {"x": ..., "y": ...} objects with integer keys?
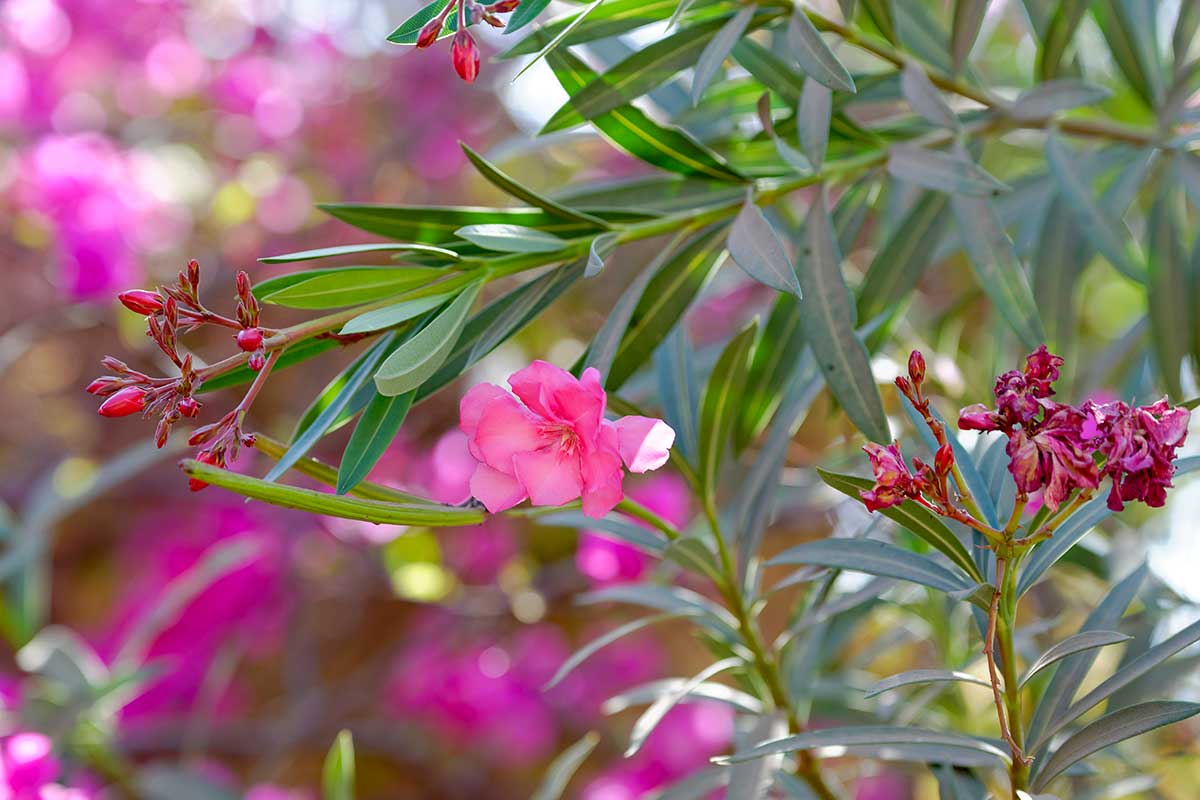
[
  {"x": 601, "y": 248},
  {"x": 420, "y": 356},
  {"x": 814, "y": 56},
  {"x": 372, "y": 436},
  {"x": 719, "y": 409},
  {"x": 669, "y": 599},
  {"x": 560, "y": 771},
  {"x": 873, "y": 735},
  {"x": 337, "y": 775},
  {"x": 718, "y": 49},
  {"x": 775, "y": 360},
  {"x": 679, "y": 389},
  {"x": 390, "y": 316},
  {"x": 511, "y": 186},
  {"x": 1076, "y": 643},
  {"x": 756, "y": 248},
  {"x": 922, "y": 676},
  {"x": 874, "y": 558},
  {"x": 600, "y": 642},
  {"x": 1067, "y": 16},
  {"x": 1049, "y": 98},
  {"x": 437, "y": 224},
  {"x": 751, "y": 780},
  {"x": 898, "y": 264},
  {"x": 924, "y": 97},
  {"x": 947, "y": 172},
  {"x": 1169, "y": 290},
  {"x": 968, "y": 18},
  {"x": 653, "y": 715},
  {"x": 813, "y": 117}
]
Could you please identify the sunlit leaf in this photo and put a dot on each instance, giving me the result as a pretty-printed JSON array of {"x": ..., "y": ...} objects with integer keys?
[
  {"x": 917, "y": 677},
  {"x": 420, "y": 356},
  {"x": 559, "y": 773}
]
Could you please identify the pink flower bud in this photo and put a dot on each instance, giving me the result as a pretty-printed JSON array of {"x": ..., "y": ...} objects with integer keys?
[
  {"x": 493, "y": 21},
  {"x": 250, "y": 339},
  {"x": 141, "y": 301},
  {"x": 257, "y": 360},
  {"x": 916, "y": 367},
  {"x": 243, "y": 283},
  {"x": 193, "y": 272},
  {"x": 943, "y": 459},
  {"x": 129, "y": 400},
  {"x": 104, "y": 386},
  {"x": 504, "y": 6},
  {"x": 429, "y": 33},
  {"x": 189, "y": 407},
  {"x": 205, "y": 457},
  {"x": 465, "y": 56},
  {"x": 904, "y": 385}
]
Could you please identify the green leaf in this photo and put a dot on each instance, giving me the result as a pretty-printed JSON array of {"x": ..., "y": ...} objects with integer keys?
[
  {"x": 1110, "y": 729},
  {"x": 1072, "y": 671},
  {"x": 774, "y": 362},
  {"x": 558, "y": 39},
  {"x": 718, "y": 49},
  {"x": 1000, "y": 274},
  {"x": 814, "y": 56},
  {"x": 770, "y": 70},
  {"x": 560, "y": 771},
  {"x": 648, "y": 68},
  {"x": 354, "y": 249},
  {"x": 694, "y": 556},
  {"x": 349, "y": 286},
  {"x": 437, "y": 224},
  {"x": 611, "y": 19},
  {"x": 601, "y": 248},
  {"x": 829, "y": 327},
  {"x": 410, "y": 29},
  {"x": 954, "y": 173},
  {"x": 295, "y": 354},
  {"x": 668, "y": 599},
  {"x": 756, "y": 248},
  {"x": 524, "y": 14},
  {"x": 419, "y": 514},
  {"x": 678, "y": 389},
  {"x": 880, "y": 14},
  {"x": 898, "y": 264},
  {"x": 1130, "y": 27},
  {"x": 1076, "y": 643},
  {"x": 1049, "y": 98},
  {"x": 644, "y": 539},
  {"x": 603, "y": 349},
  {"x": 600, "y": 642},
  {"x": 1067, "y": 16},
  {"x": 920, "y": 521},
  {"x": 632, "y": 131},
  {"x": 511, "y": 238},
  {"x": 310, "y": 435},
  {"x": 420, "y": 356},
  {"x": 337, "y": 775},
  {"x": 813, "y": 117},
  {"x": 719, "y": 410},
  {"x": 648, "y": 721},
  {"x": 751, "y": 780},
  {"x": 1058, "y": 261},
  {"x": 372, "y": 436},
  {"x": 666, "y": 298},
  {"x": 875, "y": 735},
  {"x": 924, "y": 97},
  {"x": 1169, "y": 289},
  {"x": 874, "y": 558},
  {"x": 511, "y": 186},
  {"x": 916, "y": 677},
  {"x": 390, "y": 316},
  {"x": 968, "y": 19},
  {"x": 959, "y": 784}
]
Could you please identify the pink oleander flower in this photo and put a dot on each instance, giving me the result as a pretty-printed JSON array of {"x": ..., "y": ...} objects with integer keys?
[
  {"x": 1139, "y": 446},
  {"x": 894, "y": 482},
  {"x": 1053, "y": 455},
  {"x": 557, "y": 446}
]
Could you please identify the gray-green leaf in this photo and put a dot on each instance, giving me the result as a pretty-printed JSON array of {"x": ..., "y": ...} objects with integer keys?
[
  {"x": 756, "y": 248},
  {"x": 511, "y": 238},
  {"x": 814, "y": 56},
  {"x": 421, "y": 355}
]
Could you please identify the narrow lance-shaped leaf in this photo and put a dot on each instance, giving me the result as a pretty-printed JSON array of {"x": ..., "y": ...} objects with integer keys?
[
  {"x": 1169, "y": 289},
  {"x": 601, "y": 248},
  {"x": 1049, "y": 98},
  {"x": 560, "y": 37},
  {"x": 420, "y": 356},
  {"x": 649, "y": 720},
  {"x": 755, "y": 247},
  {"x": 410, "y": 29},
  {"x": 1077, "y": 643},
  {"x": 372, "y": 436},
  {"x": 1110, "y": 729},
  {"x": 924, "y": 97},
  {"x": 393, "y": 315},
  {"x": 918, "y": 677},
  {"x": 968, "y": 18},
  {"x": 604, "y": 346},
  {"x": 813, "y": 117},
  {"x": 511, "y": 186},
  {"x": 525, "y": 13},
  {"x": 751, "y": 780},
  {"x": 1130, "y": 28},
  {"x": 814, "y": 56},
  {"x": 954, "y": 172},
  {"x": 897, "y": 266},
  {"x": 771, "y": 369},
  {"x": 874, "y": 558},
  {"x": 347, "y": 286},
  {"x": 355, "y": 249},
  {"x": 718, "y": 412},
  {"x": 612, "y": 18},
  {"x": 309, "y": 437},
  {"x": 678, "y": 389},
  {"x": 829, "y": 327},
  {"x": 602, "y": 641},
  {"x": 437, "y": 224},
  {"x": 511, "y": 238},
  {"x": 560, "y": 771},
  {"x": 337, "y": 775},
  {"x": 873, "y": 735},
  {"x": 1067, "y": 16},
  {"x": 1000, "y": 274},
  {"x": 718, "y": 49}
]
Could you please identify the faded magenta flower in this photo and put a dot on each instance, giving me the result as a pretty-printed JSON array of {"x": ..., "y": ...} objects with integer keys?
[
  {"x": 894, "y": 482},
  {"x": 1052, "y": 454},
  {"x": 1139, "y": 445},
  {"x": 557, "y": 446}
]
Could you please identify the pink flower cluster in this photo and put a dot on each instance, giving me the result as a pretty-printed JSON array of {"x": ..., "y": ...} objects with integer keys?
[
  {"x": 29, "y": 770},
  {"x": 557, "y": 446},
  {"x": 1054, "y": 447}
]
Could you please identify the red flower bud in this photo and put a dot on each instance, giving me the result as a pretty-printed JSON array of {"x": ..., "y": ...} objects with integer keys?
[
  {"x": 257, "y": 360},
  {"x": 104, "y": 386},
  {"x": 943, "y": 459},
  {"x": 250, "y": 339},
  {"x": 904, "y": 385},
  {"x": 916, "y": 367},
  {"x": 206, "y": 457},
  {"x": 189, "y": 407},
  {"x": 465, "y": 56},
  {"x": 193, "y": 272},
  {"x": 129, "y": 400},
  {"x": 429, "y": 33},
  {"x": 504, "y": 6},
  {"x": 493, "y": 21},
  {"x": 141, "y": 301}
]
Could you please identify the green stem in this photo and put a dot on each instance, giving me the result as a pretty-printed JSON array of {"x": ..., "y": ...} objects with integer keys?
[
  {"x": 765, "y": 662},
  {"x": 638, "y": 511},
  {"x": 1019, "y": 771}
]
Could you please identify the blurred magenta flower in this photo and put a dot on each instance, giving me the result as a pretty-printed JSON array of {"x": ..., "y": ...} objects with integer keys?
[
  {"x": 884, "y": 785},
  {"x": 605, "y": 560},
  {"x": 557, "y": 446},
  {"x": 29, "y": 770}
]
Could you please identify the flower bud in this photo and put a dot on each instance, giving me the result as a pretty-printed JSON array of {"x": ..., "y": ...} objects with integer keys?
[
  {"x": 943, "y": 459},
  {"x": 193, "y": 272},
  {"x": 504, "y": 6},
  {"x": 250, "y": 339},
  {"x": 904, "y": 385},
  {"x": 465, "y": 56},
  {"x": 189, "y": 407},
  {"x": 129, "y": 400},
  {"x": 104, "y": 386},
  {"x": 429, "y": 33},
  {"x": 141, "y": 301},
  {"x": 114, "y": 364},
  {"x": 257, "y": 360},
  {"x": 205, "y": 457},
  {"x": 916, "y": 367}
]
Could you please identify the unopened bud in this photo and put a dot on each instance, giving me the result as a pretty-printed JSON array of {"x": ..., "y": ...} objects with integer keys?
[
  {"x": 206, "y": 457},
  {"x": 162, "y": 432},
  {"x": 429, "y": 33},
  {"x": 104, "y": 386},
  {"x": 504, "y": 6},
  {"x": 250, "y": 339},
  {"x": 141, "y": 301},
  {"x": 243, "y": 283},
  {"x": 943, "y": 459},
  {"x": 114, "y": 364},
  {"x": 257, "y": 360},
  {"x": 465, "y": 56},
  {"x": 129, "y": 400},
  {"x": 904, "y": 385},
  {"x": 248, "y": 439},
  {"x": 494, "y": 21},
  {"x": 193, "y": 272},
  {"x": 916, "y": 367},
  {"x": 188, "y": 407}
]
